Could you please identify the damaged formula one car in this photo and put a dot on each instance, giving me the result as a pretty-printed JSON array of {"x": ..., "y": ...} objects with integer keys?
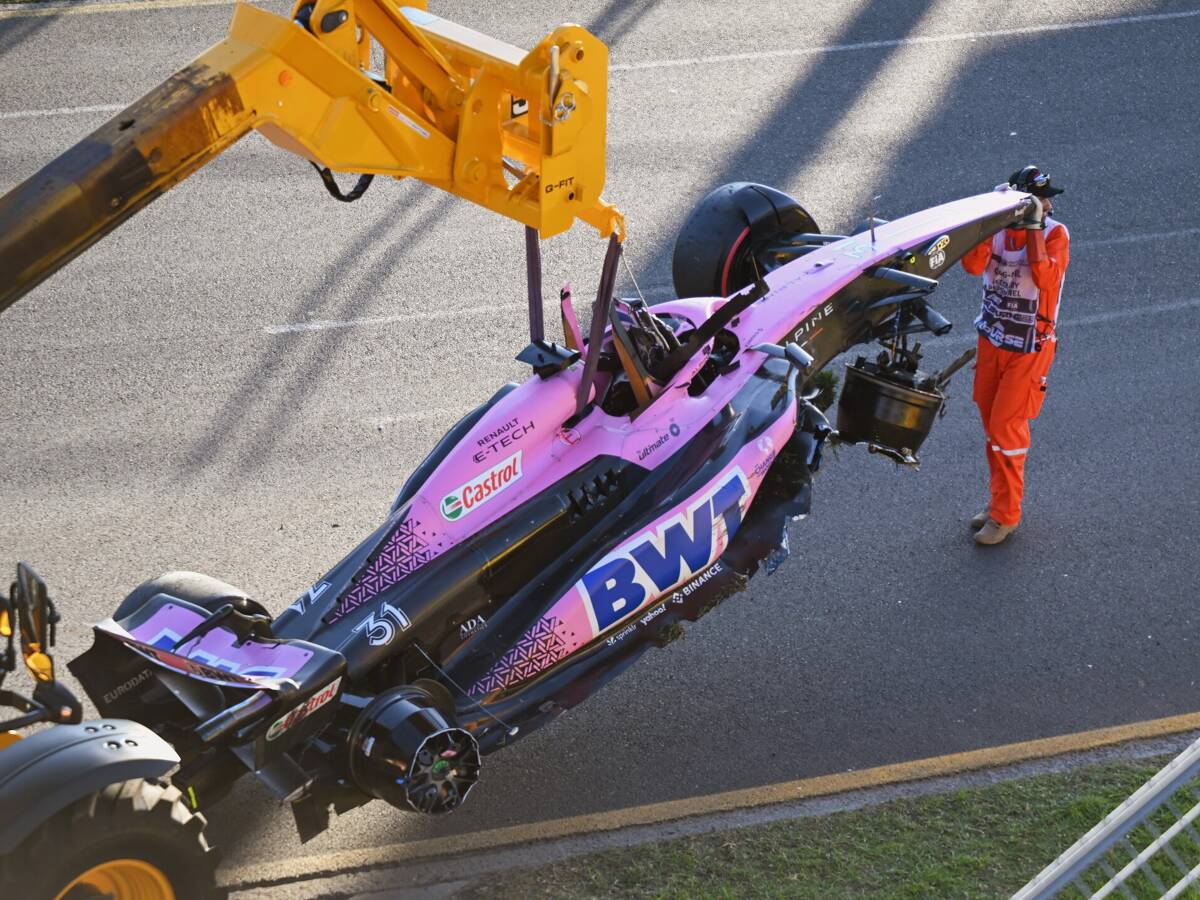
[{"x": 641, "y": 475}]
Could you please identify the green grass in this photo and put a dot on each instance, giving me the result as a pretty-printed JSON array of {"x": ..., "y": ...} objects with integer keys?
[{"x": 983, "y": 842}]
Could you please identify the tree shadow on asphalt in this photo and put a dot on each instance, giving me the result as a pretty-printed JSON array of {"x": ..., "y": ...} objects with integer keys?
[
  {"x": 15, "y": 32},
  {"x": 617, "y": 19},
  {"x": 271, "y": 401},
  {"x": 794, "y": 129},
  {"x": 793, "y": 132}
]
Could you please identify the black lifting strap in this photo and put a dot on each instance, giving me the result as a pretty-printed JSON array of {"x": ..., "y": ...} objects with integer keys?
[
  {"x": 734, "y": 307},
  {"x": 360, "y": 187}
]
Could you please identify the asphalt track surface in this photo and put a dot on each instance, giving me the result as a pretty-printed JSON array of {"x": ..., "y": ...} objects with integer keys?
[{"x": 160, "y": 409}]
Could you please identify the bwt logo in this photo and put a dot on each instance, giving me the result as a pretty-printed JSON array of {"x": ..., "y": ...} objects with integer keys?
[{"x": 655, "y": 562}]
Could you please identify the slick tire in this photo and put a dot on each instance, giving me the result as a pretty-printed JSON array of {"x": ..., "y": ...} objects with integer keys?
[
  {"x": 715, "y": 251},
  {"x": 128, "y": 839},
  {"x": 203, "y": 590}
]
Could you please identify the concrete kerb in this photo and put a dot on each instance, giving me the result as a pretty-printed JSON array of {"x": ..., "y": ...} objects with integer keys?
[{"x": 459, "y": 858}]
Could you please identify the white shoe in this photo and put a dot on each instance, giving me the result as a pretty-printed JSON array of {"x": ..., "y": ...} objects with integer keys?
[{"x": 993, "y": 532}]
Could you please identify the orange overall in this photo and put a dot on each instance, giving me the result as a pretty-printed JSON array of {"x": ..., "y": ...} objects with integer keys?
[{"x": 1023, "y": 275}]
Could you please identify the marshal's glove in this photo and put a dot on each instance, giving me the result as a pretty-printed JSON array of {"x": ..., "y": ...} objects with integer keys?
[{"x": 1035, "y": 216}]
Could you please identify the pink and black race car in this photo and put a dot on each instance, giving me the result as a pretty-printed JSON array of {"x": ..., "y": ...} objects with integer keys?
[
  {"x": 639, "y": 477},
  {"x": 642, "y": 474}
]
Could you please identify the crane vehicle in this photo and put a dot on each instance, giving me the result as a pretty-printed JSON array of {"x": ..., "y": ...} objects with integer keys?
[
  {"x": 86, "y": 807},
  {"x": 640, "y": 476}
]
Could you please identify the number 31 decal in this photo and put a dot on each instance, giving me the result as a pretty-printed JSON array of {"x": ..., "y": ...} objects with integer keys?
[{"x": 381, "y": 625}]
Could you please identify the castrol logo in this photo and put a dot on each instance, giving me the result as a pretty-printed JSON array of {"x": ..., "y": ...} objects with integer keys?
[
  {"x": 304, "y": 710},
  {"x": 468, "y": 497}
]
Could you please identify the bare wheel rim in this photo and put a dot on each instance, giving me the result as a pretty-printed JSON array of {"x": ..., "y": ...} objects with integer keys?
[{"x": 127, "y": 879}]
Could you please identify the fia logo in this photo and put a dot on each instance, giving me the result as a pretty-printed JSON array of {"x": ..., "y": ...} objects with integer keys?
[
  {"x": 936, "y": 252},
  {"x": 657, "y": 561}
]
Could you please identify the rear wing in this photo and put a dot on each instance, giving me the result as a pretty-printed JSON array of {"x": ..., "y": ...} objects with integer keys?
[
  {"x": 520, "y": 133},
  {"x": 229, "y": 680}
]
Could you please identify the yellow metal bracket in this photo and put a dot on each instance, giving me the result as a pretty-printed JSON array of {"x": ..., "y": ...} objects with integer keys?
[{"x": 361, "y": 86}]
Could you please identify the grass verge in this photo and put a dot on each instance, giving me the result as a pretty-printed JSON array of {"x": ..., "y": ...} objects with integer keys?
[{"x": 980, "y": 842}]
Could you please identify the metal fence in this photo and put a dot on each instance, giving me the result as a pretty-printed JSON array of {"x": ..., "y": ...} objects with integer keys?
[{"x": 1146, "y": 847}]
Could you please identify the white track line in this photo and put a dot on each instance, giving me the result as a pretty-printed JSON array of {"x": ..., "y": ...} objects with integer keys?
[
  {"x": 1118, "y": 315},
  {"x": 761, "y": 54},
  {"x": 62, "y": 111},
  {"x": 441, "y": 412},
  {"x": 53, "y": 10},
  {"x": 1135, "y": 238},
  {"x": 789, "y": 53},
  {"x": 959, "y": 339},
  {"x": 665, "y": 292},
  {"x": 333, "y": 324},
  {"x": 1133, "y": 312}
]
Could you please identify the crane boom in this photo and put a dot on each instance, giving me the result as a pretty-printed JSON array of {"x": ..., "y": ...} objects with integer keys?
[{"x": 520, "y": 133}]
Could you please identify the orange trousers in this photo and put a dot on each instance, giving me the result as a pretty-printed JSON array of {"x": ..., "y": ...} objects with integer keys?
[{"x": 1009, "y": 390}]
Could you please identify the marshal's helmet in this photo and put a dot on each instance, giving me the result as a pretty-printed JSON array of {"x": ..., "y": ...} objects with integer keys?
[{"x": 1033, "y": 180}]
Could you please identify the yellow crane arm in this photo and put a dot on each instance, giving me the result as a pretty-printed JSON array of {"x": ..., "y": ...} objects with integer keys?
[{"x": 352, "y": 85}]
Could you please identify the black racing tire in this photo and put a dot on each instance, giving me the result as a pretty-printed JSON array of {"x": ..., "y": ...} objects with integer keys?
[
  {"x": 203, "y": 590},
  {"x": 146, "y": 822},
  {"x": 714, "y": 251}
]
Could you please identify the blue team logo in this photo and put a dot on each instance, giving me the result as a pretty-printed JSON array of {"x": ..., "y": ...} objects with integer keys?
[{"x": 654, "y": 562}]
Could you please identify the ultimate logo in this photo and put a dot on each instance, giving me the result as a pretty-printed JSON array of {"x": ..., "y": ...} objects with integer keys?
[{"x": 481, "y": 488}]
